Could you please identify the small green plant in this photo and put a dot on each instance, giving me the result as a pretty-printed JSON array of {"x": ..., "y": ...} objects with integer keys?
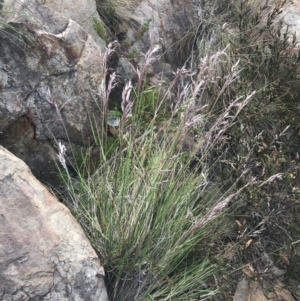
[
  {"x": 107, "y": 13},
  {"x": 141, "y": 31},
  {"x": 132, "y": 53},
  {"x": 100, "y": 29}
]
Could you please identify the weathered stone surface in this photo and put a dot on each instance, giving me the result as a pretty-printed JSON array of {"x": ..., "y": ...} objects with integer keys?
[
  {"x": 50, "y": 72},
  {"x": 44, "y": 254},
  {"x": 290, "y": 17},
  {"x": 242, "y": 290},
  {"x": 81, "y": 11},
  {"x": 168, "y": 22},
  {"x": 163, "y": 23}
]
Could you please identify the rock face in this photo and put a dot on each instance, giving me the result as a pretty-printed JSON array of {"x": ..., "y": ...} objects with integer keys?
[
  {"x": 44, "y": 254},
  {"x": 291, "y": 17},
  {"x": 50, "y": 73},
  {"x": 81, "y": 11},
  {"x": 167, "y": 23},
  {"x": 287, "y": 15}
]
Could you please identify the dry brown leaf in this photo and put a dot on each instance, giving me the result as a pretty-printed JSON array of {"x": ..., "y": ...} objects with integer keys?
[
  {"x": 229, "y": 251},
  {"x": 249, "y": 270},
  {"x": 239, "y": 224},
  {"x": 248, "y": 243},
  {"x": 285, "y": 258}
]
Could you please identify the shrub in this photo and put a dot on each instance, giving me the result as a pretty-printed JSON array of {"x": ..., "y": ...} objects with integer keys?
[{"x": 264, "y": 137}]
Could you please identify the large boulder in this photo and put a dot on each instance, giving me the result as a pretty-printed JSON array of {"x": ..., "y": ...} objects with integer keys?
[
  {"x": 44, "y": 254},
  {"x": 51, "y": 72}
]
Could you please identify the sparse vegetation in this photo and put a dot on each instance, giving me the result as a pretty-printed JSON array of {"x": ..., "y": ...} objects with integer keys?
[{"x": 200, "y": 176}]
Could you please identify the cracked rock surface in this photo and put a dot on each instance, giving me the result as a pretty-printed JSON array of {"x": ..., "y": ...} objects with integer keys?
[
  {"x": 81, "y": 11},
  {"x": 50, "y": 73},
  {"x": 44, "y": 254}
]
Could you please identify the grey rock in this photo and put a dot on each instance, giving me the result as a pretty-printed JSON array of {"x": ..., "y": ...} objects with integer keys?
[
  {"x": 169, "y": 22},
  {"x": 81, "y": 11},
  {"x": 125, "y": 70},
  {"x": 44, "y": 254},
  {"x": 242, "y": 290}
]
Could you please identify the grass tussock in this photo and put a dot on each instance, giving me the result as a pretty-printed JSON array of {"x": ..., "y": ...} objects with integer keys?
[
  {"x": 148, "y": 208},
  {"x": 199, "y": 165}
]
